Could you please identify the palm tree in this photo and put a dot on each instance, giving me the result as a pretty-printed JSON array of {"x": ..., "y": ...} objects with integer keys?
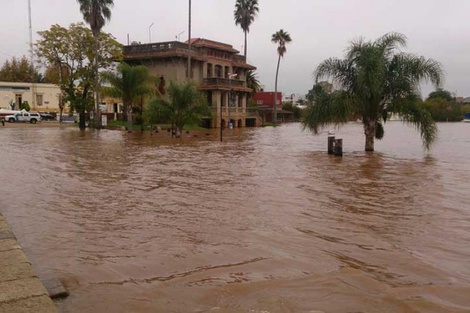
[
  {"x": 244, "y": 14},
  {"x": 281, "y": 38},
  {"x": 131, "y": 84},
  {"x": 252, "y": 81},
  {"x": 184, "y": 104},
  {"x": 376, "y": 80},
  {"x": 96, "y": 13}
]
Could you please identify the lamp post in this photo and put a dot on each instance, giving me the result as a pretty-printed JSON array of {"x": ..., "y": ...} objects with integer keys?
[
  {"x": 150, "y": 34},
  {"x": 177, "y": 37},
  {"x": 230, "y": 97}
]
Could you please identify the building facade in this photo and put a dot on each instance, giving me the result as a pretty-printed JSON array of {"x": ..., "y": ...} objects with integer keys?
[
  {"x": 40, "y": 97},
  {"x": 218, "y": 69},
  {"x": 265, "y": 102}
]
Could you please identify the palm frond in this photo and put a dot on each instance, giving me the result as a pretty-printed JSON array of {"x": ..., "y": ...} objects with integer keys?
[
  {"x": 326, "y": 109},
  {"x": 245, "y": 13},
  {"x": 418, "y": 117}
]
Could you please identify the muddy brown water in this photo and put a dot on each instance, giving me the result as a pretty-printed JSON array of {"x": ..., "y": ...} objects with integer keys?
[{"x": 265, "y": 221}]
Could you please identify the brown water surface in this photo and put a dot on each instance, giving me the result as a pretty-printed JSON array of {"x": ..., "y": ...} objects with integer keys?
[{"x": 265, "y": 221}]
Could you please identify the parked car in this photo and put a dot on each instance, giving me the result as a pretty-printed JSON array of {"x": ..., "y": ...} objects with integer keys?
[
  {"x": 47, "y": 117},
  {"x": 31, "y": 117}
]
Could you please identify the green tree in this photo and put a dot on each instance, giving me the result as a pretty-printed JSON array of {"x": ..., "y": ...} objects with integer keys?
[
  {"x": 131, "y": 84},
  {"x": 442, "y": 94},
  {"x": 19, "y": 70},
  {"x": 96, "y": 13},
  {"x": 244, "y": 14},
  {"x": 281, "y": 38},
  {"x": 296, "y": 111},
  {"x": 377, "y": 79},
  {"x": 182, "y": 105},
  {"x": 443, "y": 110},
  {"x": 71, "y": 51}
]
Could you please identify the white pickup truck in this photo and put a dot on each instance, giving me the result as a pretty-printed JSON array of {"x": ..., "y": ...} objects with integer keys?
[{"x": 28, "y": 117}]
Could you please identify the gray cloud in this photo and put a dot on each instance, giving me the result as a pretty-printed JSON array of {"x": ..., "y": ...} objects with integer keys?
[{"x": 319, "y": 29}]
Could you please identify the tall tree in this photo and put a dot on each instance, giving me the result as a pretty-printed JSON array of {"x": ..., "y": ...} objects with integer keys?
[
  {"x": 19, "y": 70},
  {"x": 377, "y": 79},
  {"x": 245, "y": 14},
  {"x": 131, "y": 84},
  {"x": 96, "y": 13},
  {"x": 281, "y": 38},
  {"x": 70, "y": 51},
  {"x": 183, "y": 104}
]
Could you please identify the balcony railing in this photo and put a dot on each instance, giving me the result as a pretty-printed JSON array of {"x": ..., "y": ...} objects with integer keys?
[
  {"x": 251, "y": 112},
  {"x": 239, "y": 58},
  {"x": 156, "y": 47},
  {"x": 215, "y": 81}
]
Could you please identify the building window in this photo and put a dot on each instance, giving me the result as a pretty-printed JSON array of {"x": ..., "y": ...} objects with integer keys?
[
  {"x": 240, "y": 100},
  {"x": 259, "y": 102},
  {"x": 209, "y": 70},
  {"x": 218, "y": 71},
  {"x": 39, "y": 99}
]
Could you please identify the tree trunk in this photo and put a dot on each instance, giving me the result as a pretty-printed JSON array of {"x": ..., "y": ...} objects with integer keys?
[
  {"x": 96, "y": 89},
  {"x": 129, "y": 118},
  {"x": 81, "y": 122},
  {"x": 275, "y": 92},
  {"x": 246, "y": 59},
  {"x": 61, "y": 110},
  {"x": 369, "y": 132}
]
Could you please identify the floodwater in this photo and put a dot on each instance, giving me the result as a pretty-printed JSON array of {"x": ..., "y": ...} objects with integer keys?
[{"x": 265, "y": 221}]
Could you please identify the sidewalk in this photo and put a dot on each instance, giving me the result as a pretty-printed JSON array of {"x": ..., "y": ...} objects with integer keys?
[{"x": 20, "y": 289}]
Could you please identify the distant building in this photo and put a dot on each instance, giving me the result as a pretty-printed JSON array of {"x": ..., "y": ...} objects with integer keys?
[
  {"x": 217, "y": 67},
  {"x": 265, "y": 102},
  {"x": 46, "y": 96},
  {"x": 465, "y": 100}
]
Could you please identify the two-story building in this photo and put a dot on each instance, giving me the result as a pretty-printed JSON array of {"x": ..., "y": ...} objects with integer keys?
[{"x": 218, "y": 69}]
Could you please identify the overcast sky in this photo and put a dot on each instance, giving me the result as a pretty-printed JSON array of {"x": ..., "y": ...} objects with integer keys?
[{"x": 319, "y": 29}]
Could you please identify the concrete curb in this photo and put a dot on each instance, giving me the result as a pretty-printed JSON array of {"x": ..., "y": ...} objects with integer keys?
[{"x": 21, "y": 291}]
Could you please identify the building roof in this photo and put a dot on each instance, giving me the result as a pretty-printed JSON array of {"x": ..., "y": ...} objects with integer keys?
[
  {"x": 136, "y": 52},
  {"x": 206, "y": 43}
]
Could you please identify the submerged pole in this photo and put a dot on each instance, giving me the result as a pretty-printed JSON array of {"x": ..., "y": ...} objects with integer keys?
[
  {"x": 331, "y": 142},
  {"x": 338, "y": 147}
]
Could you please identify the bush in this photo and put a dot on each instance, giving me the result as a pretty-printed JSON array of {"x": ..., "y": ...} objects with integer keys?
[{"x": 25, "y": 106}]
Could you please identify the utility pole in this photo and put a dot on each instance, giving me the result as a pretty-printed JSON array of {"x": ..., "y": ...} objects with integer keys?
[
  {"x": 33, "y": 86},
  {"x": 189, "y": 42}
]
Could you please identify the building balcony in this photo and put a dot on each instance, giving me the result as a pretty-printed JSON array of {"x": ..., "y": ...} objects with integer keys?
[{"x": 223, "y": 83}]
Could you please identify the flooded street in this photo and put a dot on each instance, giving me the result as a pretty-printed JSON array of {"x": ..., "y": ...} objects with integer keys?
[{"x": 265, "y": 221}]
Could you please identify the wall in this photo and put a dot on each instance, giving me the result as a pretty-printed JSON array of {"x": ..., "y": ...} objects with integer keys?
[
  {"x": 266, "y": 99},
  {"x": 50, "y": 95}
]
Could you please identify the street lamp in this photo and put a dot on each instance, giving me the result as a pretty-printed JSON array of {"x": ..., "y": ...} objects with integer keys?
[
  {"x": 150, "y": 34},
  {"x": 230, "y": 97},
  {"x": 177, "y": 37}
]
